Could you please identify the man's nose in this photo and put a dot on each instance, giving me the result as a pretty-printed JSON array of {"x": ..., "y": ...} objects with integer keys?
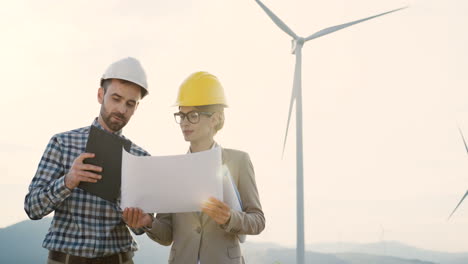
[{"x": 122, "y": 108}]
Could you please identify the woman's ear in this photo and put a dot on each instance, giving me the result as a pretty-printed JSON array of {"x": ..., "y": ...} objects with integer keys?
[{"x": 215, "y": 119}]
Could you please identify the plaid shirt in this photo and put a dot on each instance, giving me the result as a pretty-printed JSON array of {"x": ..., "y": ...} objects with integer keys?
[{"x": 83, "y": 225}]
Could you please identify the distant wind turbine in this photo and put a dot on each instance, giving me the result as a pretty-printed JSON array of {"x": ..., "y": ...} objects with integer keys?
[
  {"x": 296, "y": 96},
  {"x": 382, "y": 240},
  {"x": 466, "y": 193}
]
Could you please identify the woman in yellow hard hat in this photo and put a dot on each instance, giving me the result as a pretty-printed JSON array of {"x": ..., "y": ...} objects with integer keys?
[{"x": 212, "y": 236}]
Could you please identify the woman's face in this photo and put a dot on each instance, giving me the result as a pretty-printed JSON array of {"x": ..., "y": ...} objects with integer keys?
[{"x": 203, "y": 130}]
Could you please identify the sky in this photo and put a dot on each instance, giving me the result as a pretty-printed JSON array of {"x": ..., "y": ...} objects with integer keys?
[{"x": 383, "y": 159}]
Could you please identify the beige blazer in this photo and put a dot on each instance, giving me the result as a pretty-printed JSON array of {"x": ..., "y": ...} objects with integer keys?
[{"x": 196, "y": 236}]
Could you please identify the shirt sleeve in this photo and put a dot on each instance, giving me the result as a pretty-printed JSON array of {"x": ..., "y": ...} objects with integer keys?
[
  {"x": 47, "y": 189},
  {"x": 142, "y": 230}
]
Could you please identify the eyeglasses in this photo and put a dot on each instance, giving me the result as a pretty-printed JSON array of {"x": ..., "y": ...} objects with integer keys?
[{"x": 192, "y": 116}]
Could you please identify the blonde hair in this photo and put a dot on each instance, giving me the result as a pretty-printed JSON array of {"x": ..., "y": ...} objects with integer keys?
[{"x": 217, "y": 108}]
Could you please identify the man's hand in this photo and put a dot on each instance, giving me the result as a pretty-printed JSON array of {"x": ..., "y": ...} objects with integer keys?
[
  {"x": 136, "y": 218},
  {"x": 217, "y": 210},
  {"x": 80, "y": 172}
]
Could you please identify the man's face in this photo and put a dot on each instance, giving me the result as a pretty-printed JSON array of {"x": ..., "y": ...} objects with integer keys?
[{"x": 118, "y": 104}]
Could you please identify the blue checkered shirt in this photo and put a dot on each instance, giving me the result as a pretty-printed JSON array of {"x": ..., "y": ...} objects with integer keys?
[{"x": 83, "y": 225}]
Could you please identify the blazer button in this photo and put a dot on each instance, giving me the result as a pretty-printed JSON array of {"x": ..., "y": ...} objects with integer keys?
[{"x": 198, "y": 230}]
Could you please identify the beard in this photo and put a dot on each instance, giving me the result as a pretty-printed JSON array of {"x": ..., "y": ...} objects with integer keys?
[{"x": 112, "y": 124}]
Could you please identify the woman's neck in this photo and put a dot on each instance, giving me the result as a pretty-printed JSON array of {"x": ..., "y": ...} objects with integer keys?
[{"x": 201, "y": 145}]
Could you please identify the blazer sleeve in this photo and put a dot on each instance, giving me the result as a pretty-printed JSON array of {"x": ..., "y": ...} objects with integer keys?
[
  {"x": 161, "y": 230},
  {"x": 251, "y": 221}
]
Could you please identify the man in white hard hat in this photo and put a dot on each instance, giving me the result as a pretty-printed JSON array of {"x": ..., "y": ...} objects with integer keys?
[{"x": 85, "y": 227}]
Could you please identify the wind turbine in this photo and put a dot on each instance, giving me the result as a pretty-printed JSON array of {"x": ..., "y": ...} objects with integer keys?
[
  {"x": 382, "y": 240},
  {"x": 297, "y": 44},
  {"x": 466, "y": 193}
]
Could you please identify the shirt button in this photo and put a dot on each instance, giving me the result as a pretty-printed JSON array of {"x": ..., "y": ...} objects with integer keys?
[{"x": 198, "y": 230}]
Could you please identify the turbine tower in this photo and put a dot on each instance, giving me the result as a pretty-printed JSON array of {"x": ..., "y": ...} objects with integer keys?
[{"x": 296, "y": 96}]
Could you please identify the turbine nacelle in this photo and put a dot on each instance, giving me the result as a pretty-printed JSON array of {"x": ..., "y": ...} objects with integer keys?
[{"x": 297, "y": 43}]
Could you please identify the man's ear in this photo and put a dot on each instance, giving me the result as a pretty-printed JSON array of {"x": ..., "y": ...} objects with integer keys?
[{"x": 100, "y": 95}]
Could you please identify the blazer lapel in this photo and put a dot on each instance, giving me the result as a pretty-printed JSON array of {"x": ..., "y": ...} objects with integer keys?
[
  {"x": 197, "y": 217},
  {"x": 204, "y": 219}
]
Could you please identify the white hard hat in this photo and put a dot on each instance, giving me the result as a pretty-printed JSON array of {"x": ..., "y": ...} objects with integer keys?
[{"x": 128, "y": 69}]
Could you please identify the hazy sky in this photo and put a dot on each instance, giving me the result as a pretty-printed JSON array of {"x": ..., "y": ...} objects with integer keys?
[{"x": 382, "y": 99}]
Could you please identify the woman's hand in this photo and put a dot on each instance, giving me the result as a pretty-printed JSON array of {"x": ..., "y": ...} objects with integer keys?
[
  {"x": 135, "y": 218},
  {"x": 217, "y": 210}
]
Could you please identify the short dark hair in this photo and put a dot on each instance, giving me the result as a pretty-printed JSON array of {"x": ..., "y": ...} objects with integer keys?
[{"x": 105, "y": 84}]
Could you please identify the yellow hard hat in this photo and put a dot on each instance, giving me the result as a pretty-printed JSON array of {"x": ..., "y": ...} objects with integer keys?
[{"x": 201, "y": 88}]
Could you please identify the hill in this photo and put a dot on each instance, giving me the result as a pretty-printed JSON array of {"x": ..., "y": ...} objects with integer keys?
[{"x": 30, "y": 234}]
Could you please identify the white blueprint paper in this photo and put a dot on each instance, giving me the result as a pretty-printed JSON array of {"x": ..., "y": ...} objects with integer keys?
[
  {"x": 230, "y": 195},
  {"x": 171, "y": 184}
]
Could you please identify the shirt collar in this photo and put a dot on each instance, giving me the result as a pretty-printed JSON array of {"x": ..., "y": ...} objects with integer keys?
[
  {"x": 215, "y": 145},
  {"x": 98, "y": 125}
]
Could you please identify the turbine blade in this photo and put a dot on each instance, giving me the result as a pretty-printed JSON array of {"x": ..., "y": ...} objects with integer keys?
[
  {"x": 277, "y": 20},
  {"x": 297, "y": 72},
  {"x": 463, "y": 198},
  {"x": 293, "y": 97},
  {"x": 338, "y": 27},
  {"x": 464, "y": 142}
]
